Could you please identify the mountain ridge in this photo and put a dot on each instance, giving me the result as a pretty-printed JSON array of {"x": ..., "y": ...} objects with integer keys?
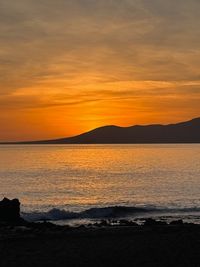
[{"x": 182, "y": 132}]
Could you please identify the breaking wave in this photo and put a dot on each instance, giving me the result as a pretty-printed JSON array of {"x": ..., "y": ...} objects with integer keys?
[{"x": 102, "y": 213}]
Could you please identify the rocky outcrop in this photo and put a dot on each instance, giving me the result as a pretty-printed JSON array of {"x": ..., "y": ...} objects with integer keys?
[{"x": 10, "y": 210}]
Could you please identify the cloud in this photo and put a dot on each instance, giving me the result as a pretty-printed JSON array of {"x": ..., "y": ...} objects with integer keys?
[
  {"x": 82, "y": 53},
  {"x": 150, "y": 92},
  {"x": 138, "y": 40}
]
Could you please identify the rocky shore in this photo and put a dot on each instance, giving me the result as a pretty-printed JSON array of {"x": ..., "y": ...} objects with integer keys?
[{"x": 104, "y": 244}]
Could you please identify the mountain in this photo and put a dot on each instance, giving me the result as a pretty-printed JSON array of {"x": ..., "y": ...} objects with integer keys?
[{"x": 184, "y": 132}]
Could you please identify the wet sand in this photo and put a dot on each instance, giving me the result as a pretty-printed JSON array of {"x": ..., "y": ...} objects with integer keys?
[{"x": 167, "y": 245}]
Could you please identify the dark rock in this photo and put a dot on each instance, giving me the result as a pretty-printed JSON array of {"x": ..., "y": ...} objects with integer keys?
[
  {"x": 152, "y": 222},
  {"x": 104, "y": 223},
  {"x": 127, "y": 223},
  {"x": 178, "y": 222},
  {"x": 9, "y": 210}
]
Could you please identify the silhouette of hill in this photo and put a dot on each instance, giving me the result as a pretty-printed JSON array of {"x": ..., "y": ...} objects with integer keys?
[{"x": 184, "y": 132}]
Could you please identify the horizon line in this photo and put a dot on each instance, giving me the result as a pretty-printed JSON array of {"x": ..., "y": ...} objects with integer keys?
[{"x": 66, "y": 137}]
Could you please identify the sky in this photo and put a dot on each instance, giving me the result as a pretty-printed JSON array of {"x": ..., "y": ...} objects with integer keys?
[{"x": 68, "y": 66}]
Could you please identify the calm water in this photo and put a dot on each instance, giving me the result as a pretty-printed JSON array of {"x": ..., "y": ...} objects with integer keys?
[{"x": 78, "y": 177}]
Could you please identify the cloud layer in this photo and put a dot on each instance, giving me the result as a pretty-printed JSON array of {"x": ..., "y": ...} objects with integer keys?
[{"x": 86, "y": 60}]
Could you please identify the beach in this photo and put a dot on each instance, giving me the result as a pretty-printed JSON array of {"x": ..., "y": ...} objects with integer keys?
[{"x": 149, "y": 245}]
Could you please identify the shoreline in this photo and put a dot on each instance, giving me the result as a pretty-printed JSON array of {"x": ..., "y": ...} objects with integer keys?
[{"x": 105, "y": 243}]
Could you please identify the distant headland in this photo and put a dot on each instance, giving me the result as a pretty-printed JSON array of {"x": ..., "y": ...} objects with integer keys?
[{"x": 183, "y": 132}]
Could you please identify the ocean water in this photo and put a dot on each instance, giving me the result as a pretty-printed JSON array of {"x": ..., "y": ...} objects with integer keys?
[{"x": 73, "y": 183}]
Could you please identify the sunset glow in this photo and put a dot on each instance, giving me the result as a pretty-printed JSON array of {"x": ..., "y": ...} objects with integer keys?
[{"x": 71, "y": 66}]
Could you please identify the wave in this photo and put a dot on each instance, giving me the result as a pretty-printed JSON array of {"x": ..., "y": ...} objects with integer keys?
[{"x": 102, "y": 213}]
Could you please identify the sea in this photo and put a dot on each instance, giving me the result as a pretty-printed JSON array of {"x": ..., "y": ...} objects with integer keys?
[{"x": 81, "y": 184}]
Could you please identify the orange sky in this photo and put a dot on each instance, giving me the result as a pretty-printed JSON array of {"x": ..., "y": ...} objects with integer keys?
[{"x": 70, "y": 66}]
